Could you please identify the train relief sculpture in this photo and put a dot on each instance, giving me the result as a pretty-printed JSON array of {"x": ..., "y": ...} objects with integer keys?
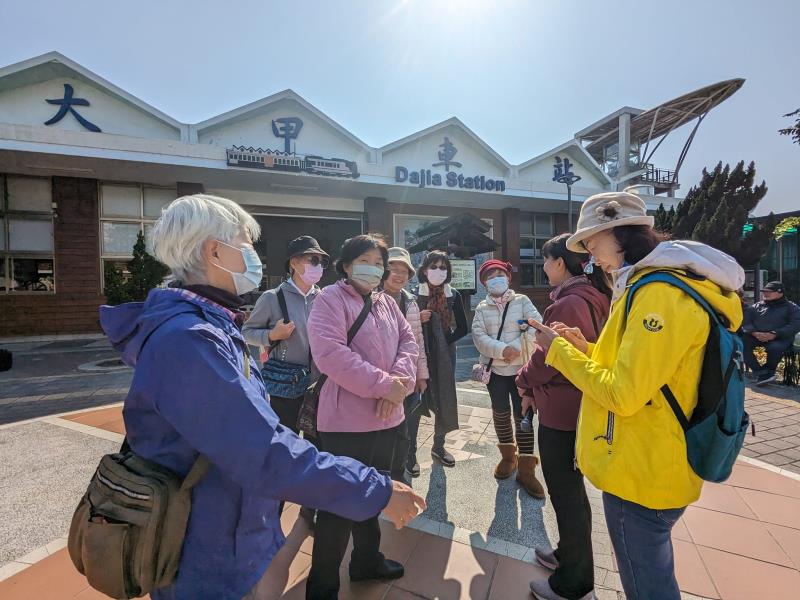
[
  {"x": 288, "y": 160},
  {"x": 275, "y": 160}
]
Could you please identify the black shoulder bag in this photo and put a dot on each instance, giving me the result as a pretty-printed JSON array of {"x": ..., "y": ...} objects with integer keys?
[{"x": 307, "y": 419}]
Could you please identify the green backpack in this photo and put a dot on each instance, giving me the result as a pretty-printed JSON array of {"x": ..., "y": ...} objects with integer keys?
[{"x": 127, "y": 533}]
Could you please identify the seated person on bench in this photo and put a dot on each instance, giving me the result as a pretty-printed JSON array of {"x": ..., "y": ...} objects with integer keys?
[{"x": 772, "y": 325}]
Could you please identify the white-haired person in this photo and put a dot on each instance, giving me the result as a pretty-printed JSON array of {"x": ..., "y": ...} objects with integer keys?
[{"x": 196, "y": 391}]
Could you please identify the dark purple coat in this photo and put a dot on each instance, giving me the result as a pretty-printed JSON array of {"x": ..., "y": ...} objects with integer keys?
[{"x": 557, "y": 400}]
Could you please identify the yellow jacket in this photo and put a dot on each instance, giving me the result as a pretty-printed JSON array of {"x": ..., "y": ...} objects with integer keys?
[{"x": 629, "y": 442}]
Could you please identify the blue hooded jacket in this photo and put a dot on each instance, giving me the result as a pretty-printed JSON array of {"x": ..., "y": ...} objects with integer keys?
[{"x": 190, "y": 395}]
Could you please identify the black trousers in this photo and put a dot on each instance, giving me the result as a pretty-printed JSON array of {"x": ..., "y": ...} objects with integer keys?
[
  {"x": 775, "y": 350},
  {"x": 574, "y": 577},
  {"x": 502, "y": 389},
  {"x": 287, "y": 410},
  {"x": 332, "y": 532},
  {"x": 406, "y": 442}
]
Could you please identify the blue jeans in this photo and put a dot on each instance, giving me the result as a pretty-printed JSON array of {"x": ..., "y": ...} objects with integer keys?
[{"x": 643, "y": 544}]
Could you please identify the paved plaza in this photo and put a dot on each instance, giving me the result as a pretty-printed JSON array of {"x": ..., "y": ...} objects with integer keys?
[{"x": 474, "y": 541}]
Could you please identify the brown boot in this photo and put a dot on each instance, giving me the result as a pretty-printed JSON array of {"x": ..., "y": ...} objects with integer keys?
[
  {"x": 506, "y": 467},
  {"x": 526, "y": 475}
]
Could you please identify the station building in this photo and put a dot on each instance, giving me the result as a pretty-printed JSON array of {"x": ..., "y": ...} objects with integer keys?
[{"x": 85, "y": 166}]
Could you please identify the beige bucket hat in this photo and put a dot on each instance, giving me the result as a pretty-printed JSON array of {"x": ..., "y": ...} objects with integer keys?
[
  {"x": 398, "y": 254},
  {"x": 606, "y": 211}
]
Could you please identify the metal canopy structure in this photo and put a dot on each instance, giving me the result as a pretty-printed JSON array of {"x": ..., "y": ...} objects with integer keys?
[
  {"x": 660, "y": 121},
  {"x": 657, "y": 123}
]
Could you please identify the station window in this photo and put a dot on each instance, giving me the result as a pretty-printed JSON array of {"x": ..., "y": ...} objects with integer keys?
[
  {"x": 27, "y": 263},
  {"x": 125, "y": 210},
  {"x": 535, "y": 229}
]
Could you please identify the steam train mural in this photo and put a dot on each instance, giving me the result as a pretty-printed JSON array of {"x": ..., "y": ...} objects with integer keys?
[{"x": 275, "y": 160}]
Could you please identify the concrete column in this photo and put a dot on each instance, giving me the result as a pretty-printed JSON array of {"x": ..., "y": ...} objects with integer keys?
[
  {"x": 624, "y": 144},
  {"x": 377, "y": 218},
  {"x": 509, "y": 245}
]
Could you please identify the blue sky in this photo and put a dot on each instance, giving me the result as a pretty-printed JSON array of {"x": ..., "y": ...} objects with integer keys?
[{"x": 525, "y": 76}]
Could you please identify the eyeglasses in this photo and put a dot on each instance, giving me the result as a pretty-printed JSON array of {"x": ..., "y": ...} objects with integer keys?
[
  {"x": 400, "y": 272},
  {"x": 314, "y": 260}
]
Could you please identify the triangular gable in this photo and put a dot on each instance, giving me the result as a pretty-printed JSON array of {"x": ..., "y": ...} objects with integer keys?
[
  {"x": 25, "y": 88},
  {"x": 256, "y": 124},
  {"x": 431, "y": 147},
  {"x": 541, "y": 168}
]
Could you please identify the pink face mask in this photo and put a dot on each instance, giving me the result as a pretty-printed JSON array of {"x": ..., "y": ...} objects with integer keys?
[{"x": 312, "y": 274}]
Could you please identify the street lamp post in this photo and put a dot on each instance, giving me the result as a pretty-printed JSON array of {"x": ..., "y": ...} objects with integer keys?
[{"x": 569, "y": 179}]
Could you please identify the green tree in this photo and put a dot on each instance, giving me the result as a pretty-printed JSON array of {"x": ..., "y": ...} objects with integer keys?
[
  {"x": 115, "y": 286},
  {"x": 664, "y": 218},
  {"x": 145, "y": 274},
  {"x": 146, "y": 271},
  {"x": 715, "y": 211},
  {"x": 794, "y": 130},
  {"x": 661, "y": 218}
]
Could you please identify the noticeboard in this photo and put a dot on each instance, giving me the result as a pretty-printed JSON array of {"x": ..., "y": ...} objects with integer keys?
[{"x": 464, "y": 275}]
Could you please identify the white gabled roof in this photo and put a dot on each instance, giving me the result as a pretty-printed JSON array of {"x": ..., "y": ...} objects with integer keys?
[
  {"x": 451, "y": 122},
  {"x": 248, "y": 110},
  {"x": 583, "y": 157},
  {"x": 54, "y": 64}
]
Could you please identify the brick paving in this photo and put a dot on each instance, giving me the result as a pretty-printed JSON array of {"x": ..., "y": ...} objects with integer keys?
[
  {"x": 758, "y": 505},
  {"x": 775, "y": 412}
]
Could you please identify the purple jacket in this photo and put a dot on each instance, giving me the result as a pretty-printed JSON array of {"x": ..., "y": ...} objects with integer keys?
[
  {"x": 190, "y": 394},
  {"x": 556, "y": 399},
  {"x": 359, "y": 375}
]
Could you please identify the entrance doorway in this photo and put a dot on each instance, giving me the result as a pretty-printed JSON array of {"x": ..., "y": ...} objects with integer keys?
[{"x": 278, "y": 230}]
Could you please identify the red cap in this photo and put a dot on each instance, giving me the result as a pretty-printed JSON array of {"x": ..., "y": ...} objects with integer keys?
[{"x": 494, "y": 264}]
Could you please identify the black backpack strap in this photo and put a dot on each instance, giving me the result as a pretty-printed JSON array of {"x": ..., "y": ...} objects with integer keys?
[
  {"x": 282, "y": 304},
  {"x": 676, "y": 408},
  {"x": 351, "y": 333},
  {"x": 594, "y": 318},
  {"x": 284, "y": 314},
  {"x": 362, "y": 316},
  {"x": 499, "y": 332},
  {"x": 403, "y": 302}
]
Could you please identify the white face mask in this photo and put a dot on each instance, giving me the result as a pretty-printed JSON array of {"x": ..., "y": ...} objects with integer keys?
[
  {"x": 497, "y": 286},
  {"x": 251, "y": 278},
  {"x": 369, "y": 275},
  {"x": 436, "y": 276}
]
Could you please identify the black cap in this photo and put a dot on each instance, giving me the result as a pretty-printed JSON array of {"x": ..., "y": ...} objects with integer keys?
[
  {"x": 305, "y": 244},
  {"x": 774, "y": 286}
]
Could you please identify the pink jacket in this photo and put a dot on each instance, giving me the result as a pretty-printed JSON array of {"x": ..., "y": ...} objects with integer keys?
[
  {"x": 414, "y": 319},
  {"x": 359, "y": 375}
]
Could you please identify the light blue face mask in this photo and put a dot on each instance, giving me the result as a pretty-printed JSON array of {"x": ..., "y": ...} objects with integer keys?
[
  {"x": 251, "y": 278},
  {"x": 497, "y": 286},
  {"x": 369, "y": 275}
]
